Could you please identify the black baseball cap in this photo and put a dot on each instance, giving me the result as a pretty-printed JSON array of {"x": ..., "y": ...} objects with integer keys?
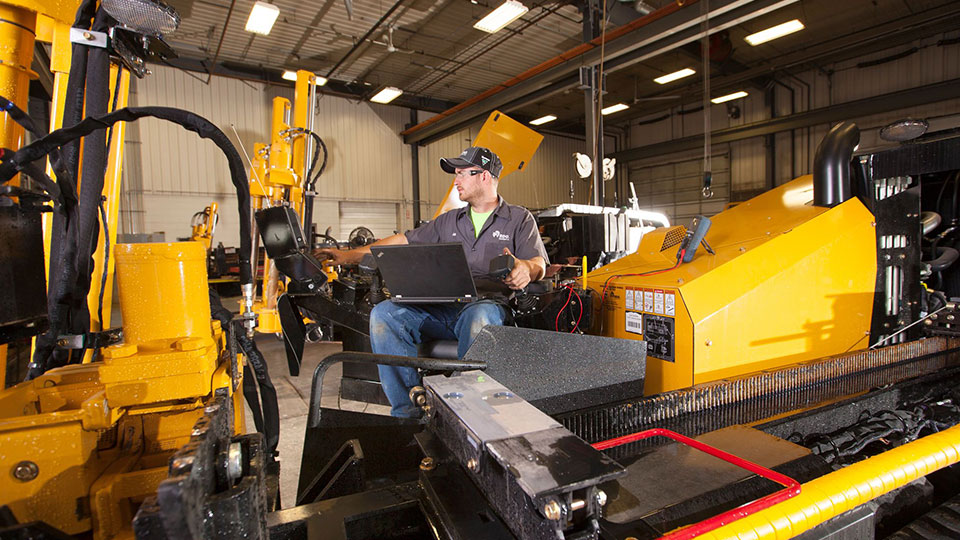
[{"x": 475, "y": 156}]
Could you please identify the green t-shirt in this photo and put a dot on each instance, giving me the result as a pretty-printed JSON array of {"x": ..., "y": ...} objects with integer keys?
[{"x": 478, "y": 220}]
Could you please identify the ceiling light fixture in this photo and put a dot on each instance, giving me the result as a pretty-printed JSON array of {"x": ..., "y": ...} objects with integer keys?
[
  {"x": 543, "y": 120},
  {"x": 775, "y": 32},
  {"x": 670, "y": 77},
  {"x": 386, "y": 95},
  {"x": 729, "y": 97},
  {"x": 614, "y": 108},
  {"x": 508, "y": 12},
  {"x": 289, "y": 75},
  {"x": 262, "y": 17}
]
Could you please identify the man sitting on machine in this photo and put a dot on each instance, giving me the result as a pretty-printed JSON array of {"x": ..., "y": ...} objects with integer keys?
[{"x": 486, "y": 227}]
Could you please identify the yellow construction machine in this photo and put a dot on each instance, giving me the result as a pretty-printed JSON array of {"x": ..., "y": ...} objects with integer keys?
[{"x": 106, "y": 416}]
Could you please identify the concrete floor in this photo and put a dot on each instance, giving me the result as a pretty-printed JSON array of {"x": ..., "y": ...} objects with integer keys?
[{"x": 293, "y": 394}]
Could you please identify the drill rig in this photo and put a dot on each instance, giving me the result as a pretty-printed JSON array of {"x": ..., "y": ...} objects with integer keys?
[
  {"x": 829, "y": 410},
  {"x": 89, "y": 437}
]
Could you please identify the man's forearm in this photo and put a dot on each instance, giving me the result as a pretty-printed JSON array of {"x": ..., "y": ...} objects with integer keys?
[
  {"x": 538, "y": 267},
  {"x": 357, "y": 254}
]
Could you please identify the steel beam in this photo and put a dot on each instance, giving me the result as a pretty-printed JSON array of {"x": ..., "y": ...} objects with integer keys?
[
  {"x": 273, "y": 76},
  {"x": 912, "y": 97},
  {"x": 888, "y": 35},
  {"x": 659, "y": 36}
]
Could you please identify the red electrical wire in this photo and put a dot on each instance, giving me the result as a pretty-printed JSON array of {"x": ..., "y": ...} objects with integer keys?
[
  {"x": 576, "y": 325},
  {"x": 556, "y": 324},
  {"x": 650, "y": 273},
  {"x": 791, "y": 487}
]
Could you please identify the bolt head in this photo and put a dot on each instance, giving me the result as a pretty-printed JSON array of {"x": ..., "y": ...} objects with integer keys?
[
  {"x": 88, "y": 36},
  {"x": 552, "y": 510},
  {"x": 473, "y": 465},
  {"x": 427, "y": 464},
  {"x": 601, "y": 497},
  {"x": 25, "y": 471}
]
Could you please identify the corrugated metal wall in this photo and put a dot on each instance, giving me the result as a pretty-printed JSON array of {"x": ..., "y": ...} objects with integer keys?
[{"x": 170, "y": 173}]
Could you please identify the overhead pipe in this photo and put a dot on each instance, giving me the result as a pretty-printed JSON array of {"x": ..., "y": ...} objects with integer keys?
[
  {"x": 843, "y": 490},
  {"x": 216, "y": 55},
  {"x": 363, "y": 40},
  {"x": 831, "y": 165}
]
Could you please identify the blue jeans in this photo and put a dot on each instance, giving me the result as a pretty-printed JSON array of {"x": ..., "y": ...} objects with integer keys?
[{"x": 397, "y": 329}]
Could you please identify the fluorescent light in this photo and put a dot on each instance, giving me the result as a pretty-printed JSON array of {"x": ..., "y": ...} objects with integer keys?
[
  {"x": 386, "y": 95},
  {"x": 292, "y": 76},
  {"x": 670, "y": 77},
  {"x": 543, "y": 120},
  {"x": 262, "y": 17},
  {"x": 775, "y": 32},
  {"x": 508, "y": 12},
  {"x": 614, "y": 108},
  {"x": 729, "y": 97}
]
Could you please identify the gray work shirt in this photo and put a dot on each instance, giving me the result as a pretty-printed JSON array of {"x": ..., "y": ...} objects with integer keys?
[{"x": 509, "y": 226}]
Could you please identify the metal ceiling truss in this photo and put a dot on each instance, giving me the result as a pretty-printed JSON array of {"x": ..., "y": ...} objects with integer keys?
[
  {"x": 348, "y": 90},
  {"x": 659, "y": 36},
  {"x": 902, "y": 99}
]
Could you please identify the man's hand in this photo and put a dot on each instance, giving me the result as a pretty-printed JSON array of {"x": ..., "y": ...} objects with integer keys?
[
  {"x": 523, "y": 272},
  {"x": 336, "y": 256}
]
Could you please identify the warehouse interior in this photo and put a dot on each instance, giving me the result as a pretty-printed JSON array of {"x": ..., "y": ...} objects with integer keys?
[{"x": 727, "y": 304}]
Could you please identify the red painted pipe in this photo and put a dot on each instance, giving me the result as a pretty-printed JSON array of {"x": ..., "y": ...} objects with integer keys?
[{"x": 791, "y": 486}]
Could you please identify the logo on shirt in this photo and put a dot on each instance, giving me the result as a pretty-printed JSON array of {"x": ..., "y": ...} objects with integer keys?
[{"x": 500, "y": 236}]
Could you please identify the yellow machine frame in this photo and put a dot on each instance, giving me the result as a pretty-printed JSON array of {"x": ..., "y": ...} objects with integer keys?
[
  {"x": 277, "y": 177},
  {"x": 781, "y": 265},
  {"x": 204, "y": 225},
  {"x": 514, "y": 143},
  {"x": 84, "y": 444}
]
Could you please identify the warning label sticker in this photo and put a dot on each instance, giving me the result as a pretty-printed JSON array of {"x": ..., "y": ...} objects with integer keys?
[
  {"x": 648, "y": 301},
  {"x": 669, "y": 304},
  {"x": 658, "y": 302},
  {"x": 629, "y": 298}
]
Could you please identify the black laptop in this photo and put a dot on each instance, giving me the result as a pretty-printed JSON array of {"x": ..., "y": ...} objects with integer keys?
[{"x": 426, "y": 273}]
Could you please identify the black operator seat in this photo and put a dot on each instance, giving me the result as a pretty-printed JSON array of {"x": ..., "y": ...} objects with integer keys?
[{"x": 283, "y": 240}]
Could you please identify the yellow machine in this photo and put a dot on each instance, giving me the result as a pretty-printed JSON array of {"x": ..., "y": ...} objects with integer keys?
[
  {"x": 204, "y": 224},
  {"x": 788, "y": 282},
  {"x": 85, "y": 444},
  {"x": 278, "y": 176},
  {"x": 513, "y": 142}
]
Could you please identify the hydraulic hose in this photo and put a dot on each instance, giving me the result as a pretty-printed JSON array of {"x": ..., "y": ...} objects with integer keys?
[
  {"x": 190, "y": 121},
  {"x": 946, "y": 256}
]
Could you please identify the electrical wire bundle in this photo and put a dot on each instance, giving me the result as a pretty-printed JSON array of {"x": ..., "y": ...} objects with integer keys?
[
  {"x": 877, "y": 432},
  {"x": 571, "y": 318},
  {"x": 78, "y": 193}
]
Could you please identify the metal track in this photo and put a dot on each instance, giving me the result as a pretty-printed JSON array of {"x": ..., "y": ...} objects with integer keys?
[
  {"x": 718, "y": 404},
  {"x": 941, "y": 522}
]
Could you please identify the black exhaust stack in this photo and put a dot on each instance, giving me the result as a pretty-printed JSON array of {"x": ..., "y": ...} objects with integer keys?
[{"x": 831, "y": 165}]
